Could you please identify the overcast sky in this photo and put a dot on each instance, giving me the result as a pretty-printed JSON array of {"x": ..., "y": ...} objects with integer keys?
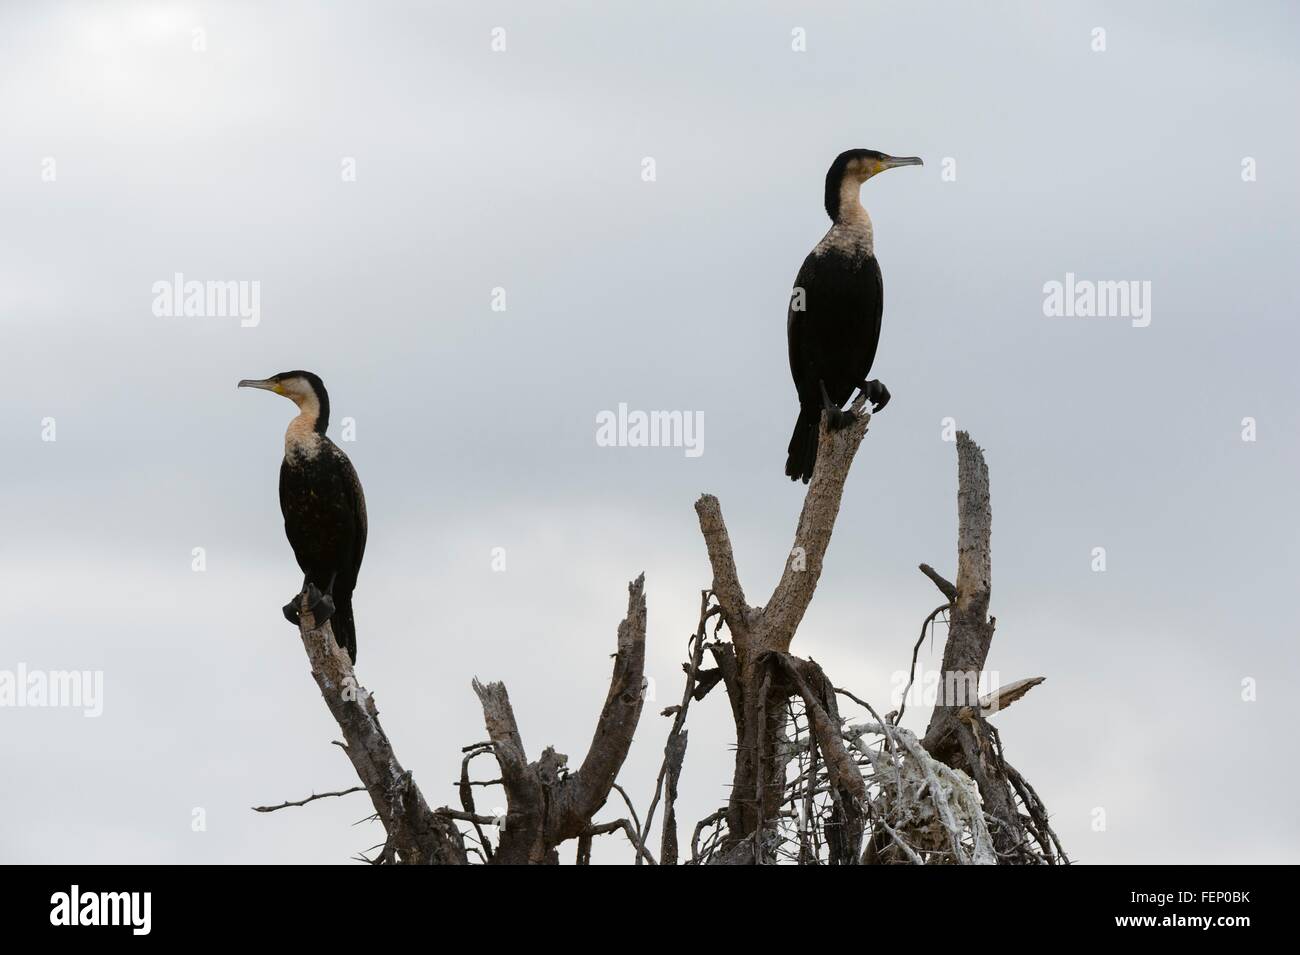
[{"x": 129, "y": 156}]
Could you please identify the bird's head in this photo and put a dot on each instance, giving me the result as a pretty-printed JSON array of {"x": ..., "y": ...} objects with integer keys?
[
  {"x": 853, "y": 167},
  {"x": 303, "y": 388}
]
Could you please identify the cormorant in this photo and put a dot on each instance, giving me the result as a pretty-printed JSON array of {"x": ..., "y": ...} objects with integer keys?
[
  {"x": 833, "y": 324},
  {"x": 323, "y": 505}
]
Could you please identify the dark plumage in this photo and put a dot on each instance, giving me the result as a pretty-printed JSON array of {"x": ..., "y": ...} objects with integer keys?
[
  {"x": 833, "y": 325},
  {"x": 323, "y": 505}
]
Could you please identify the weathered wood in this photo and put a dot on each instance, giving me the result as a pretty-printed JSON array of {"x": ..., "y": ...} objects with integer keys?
[
  {"x": 416, "y": 834},
  {"x": 970, "y": 631},
  {"x": 757, "y": 692},
  {"x": 522, "y": 841},
  {"x": 675, "y": 749},
  {"x": 848, "y": 789},
  {"x": 675, "y": 752},
  {"x": 759, "y": 629},
  {"x": 1004, "y": 696},
  {"x": 958, "y": 734},
  {"x": 544, "y": 805}
]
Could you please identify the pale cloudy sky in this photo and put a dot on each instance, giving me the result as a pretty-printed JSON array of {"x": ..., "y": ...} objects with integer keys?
[{"x": 475, "y": 429}]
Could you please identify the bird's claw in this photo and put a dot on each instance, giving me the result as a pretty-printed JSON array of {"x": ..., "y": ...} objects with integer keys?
[
  {"x": 321, "y": 606},
  {"x": 324, "y": 609},
  {"x": 838, "y": 419},
  {"x": 875, "y": 392}
]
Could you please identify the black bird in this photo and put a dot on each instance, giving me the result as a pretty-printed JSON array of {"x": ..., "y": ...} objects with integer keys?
[
  {"x": 323, "y": 505},
  {"x": 833, "y": 325}
]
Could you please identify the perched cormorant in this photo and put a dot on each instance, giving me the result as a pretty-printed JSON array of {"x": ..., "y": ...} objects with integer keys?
[
  {"x": 323, "y": 505},
  {"x": 833, "y": 325}
]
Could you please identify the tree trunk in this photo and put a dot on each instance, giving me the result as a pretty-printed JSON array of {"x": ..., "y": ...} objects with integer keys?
[
  {"x": 758, "y": 689},
  {"x": 958, "y": 734}
]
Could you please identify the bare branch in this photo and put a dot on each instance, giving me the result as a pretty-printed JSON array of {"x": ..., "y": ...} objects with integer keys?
[
  {"x": 726, "y": 582},
  {"x": 521, "y": 839},
  {"x": 674, "y": 753},
  {"x": 620, "y": 825},
  {"x": 311, "y": 798},
  {"x": 713, "y": 819},
  {"x": 675, "y": 748},
  {"x": 621, "y": 713},
  {"x": 784, "y": 611},
  {"x": 544, "y": 804},
  {"x": 466, "y": 790},
  {"x": 478, "y": 819},
  {"x": 790, "y": 600},
  {"x": 844, "y": 773},
  {"x": 911, "y": 676},
  {"x": 974, "y": 527},
  {"x": 507, "y": 744},
  {"x": 948, "y": 589},
  {"x": 705, "y": 681},
  {"x": 627, "y": 801},
  {"x": 1004, "y": 696},
  {"x": 415, "y": 834}
]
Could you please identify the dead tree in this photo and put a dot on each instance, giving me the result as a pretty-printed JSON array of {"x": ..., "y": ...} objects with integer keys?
[
  {"x": 546, "y": 804},
  {"x": 808, "y": 786},
  {"x": 948, "y": 798},
  {"x": 959, "y": 733}
]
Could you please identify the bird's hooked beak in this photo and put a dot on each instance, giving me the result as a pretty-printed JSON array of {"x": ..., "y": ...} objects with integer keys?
[
  {"x": 266, "y": 384},
  {"x": 893, "y": 162}
]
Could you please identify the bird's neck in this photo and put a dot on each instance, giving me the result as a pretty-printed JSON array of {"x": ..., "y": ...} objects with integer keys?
[
  {"x": 852, "y": 231},
  {"x": 302, "y": 438},
  {"x": 852, "y": 213}
]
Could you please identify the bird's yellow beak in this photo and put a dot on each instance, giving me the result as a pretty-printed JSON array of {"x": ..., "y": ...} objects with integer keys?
[{"x": 264, "y": 383}]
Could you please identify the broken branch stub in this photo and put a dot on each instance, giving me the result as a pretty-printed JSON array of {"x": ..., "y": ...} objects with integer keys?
[
  {"x": 545, "y": 804},
  {"x": 958, "y": 734},
  {"x": 970, "y": 631}
]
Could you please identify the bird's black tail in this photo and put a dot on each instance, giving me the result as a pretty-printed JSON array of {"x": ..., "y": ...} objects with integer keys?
[
  {"x": 803, "y": 446},
  {"x": 345, "y": 628}
]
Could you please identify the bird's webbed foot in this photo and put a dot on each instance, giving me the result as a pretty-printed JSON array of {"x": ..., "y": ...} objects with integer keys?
[
  {"x": 876, "y": 393},
  {"x": 321, "y": 605},
  {"x": 836, "y": 417}
]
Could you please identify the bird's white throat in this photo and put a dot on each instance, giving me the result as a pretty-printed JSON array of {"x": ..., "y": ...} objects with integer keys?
[
  {"x": 852, "y": 232},
  {"x": 300, "y": 438}
]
